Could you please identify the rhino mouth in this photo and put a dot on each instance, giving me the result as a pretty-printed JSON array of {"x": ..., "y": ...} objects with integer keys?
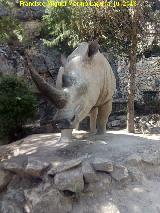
[
  {"x": 65, "y": 123},
  {"x": 73, "y": 118}
]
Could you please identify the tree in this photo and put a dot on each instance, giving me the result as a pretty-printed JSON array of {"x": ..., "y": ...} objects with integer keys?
[
  {"x": 142, "y": 16},
  {"x": 132, "y": 69}
]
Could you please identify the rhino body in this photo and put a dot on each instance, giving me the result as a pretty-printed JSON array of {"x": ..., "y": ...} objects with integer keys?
[{"x": 85, "y": 86}]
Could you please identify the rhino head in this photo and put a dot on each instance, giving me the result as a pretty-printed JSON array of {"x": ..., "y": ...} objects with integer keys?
[{"x": 72, "y": 98}]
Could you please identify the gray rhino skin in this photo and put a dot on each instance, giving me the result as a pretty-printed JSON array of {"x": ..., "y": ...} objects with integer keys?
[{"x": 85, "y": 86}]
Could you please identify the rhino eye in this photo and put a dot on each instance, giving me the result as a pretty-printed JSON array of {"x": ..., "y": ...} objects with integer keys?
[{"x": 68, "y": 81}]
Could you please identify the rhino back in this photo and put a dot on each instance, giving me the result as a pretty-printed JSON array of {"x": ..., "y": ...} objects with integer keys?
[{"x": 104, "y": 77}]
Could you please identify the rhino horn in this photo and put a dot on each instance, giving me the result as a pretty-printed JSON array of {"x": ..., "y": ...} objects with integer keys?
[{"x": 56, "y": 96}]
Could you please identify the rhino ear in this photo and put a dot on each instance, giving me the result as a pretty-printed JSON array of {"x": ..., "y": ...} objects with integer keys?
[
  {"x": 93, "y": 48},
  {"x": 63, "y": 60}
]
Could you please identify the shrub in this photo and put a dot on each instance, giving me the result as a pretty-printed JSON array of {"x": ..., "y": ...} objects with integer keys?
[{"x": 17, "y": 107}]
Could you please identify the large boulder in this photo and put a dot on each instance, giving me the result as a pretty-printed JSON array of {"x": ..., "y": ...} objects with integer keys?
[
  {"x": 36, "y": 167},
  {"x": 119, "y": 173},
  {"x": 16, "y": 165},
  {"x": 64, "y": 166},
  {"x": 103, "y": 184},
  {"x": 5, "y": 178},
  {"x": 50, "y": 201},
  {"x": 71, "y": 180},
  {"x": 102, "y": 164},
  {"x": 88, "y": 173}
]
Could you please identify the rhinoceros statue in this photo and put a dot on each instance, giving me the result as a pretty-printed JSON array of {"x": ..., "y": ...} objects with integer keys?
[{"x": 85, "y": 86}]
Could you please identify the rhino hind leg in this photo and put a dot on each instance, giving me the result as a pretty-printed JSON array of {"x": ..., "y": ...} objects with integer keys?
[
  {"x": 93, "y": 119},
  {"x": 102, "y": 117}
]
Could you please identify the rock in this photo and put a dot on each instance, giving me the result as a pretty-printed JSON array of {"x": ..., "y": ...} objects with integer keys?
[
  {"x": 10, "y": 207},
  {"x": 5, "y": 178},
  {"x": 19, "y": 182},
  {"x": 115, "y": 123},
  {"x": 154, "y": 130},
  {"x": 71, "y": 180},
  {"x": 119, "y": 173},
  {"x": 88, "y": 173},
  {"x": 12, "y": 63},
  {"x": 147, "y": 74},
  {"x": 28, "y": 13},
  {"x": 33, "y": 196},
  {"x": 64, "y": 166},
  {"x": 17, "y": 165},
  {"x": 111, "y": 118},
  {"x": 148, "y": 124},
  {"x": 136, "y": 175},
  {"x": 122, "y": 117},
  {"x": 13, "y": 201},
  {"x": 134, "y": 160},
  {"x": 103, "y": 183},
  {"x": 35, "y": 167},
  {"x": 6, "y": 65},
  {"x": 152, "y": 158},
  {"x": 45, "y": 198},
  {"x": 102, "y": 164},
  {"x": 52, "y": 201}
]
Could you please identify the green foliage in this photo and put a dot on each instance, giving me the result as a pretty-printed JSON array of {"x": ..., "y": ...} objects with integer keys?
[
  {"x": 17, "y": 106},
  {"x": 71, "y": 25},
  {"x": 57, "y": 30},
  {"x": 10, "y": 28},
  {"x": 65, "y": 27}
]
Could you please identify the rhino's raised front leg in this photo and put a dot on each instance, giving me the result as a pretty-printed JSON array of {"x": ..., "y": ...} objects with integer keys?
[
  {"x": 66, "y": 135},
  {"x": 102, "y": 117},
  {"x": 77, "y": 126},
  {"x": 93, "y": 118}
]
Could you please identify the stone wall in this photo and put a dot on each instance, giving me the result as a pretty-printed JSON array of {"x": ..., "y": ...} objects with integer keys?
[
  {"x": 46, "y": 61},
  {"x": 147, "y": 77}
]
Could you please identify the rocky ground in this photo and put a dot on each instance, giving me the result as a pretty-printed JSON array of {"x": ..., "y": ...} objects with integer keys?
[
  {"x": 115, "y": 173},
  {"x": 148, "y": 124}
]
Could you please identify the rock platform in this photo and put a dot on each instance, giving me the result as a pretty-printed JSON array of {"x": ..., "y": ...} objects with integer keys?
[{"x": 114, "y": 173}]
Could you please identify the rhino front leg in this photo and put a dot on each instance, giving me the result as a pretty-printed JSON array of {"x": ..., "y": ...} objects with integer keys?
[
  {"x": 102, "y": 117},
  {"x": 93, "y": 119},
  {"x": 66, "y": 135}
]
